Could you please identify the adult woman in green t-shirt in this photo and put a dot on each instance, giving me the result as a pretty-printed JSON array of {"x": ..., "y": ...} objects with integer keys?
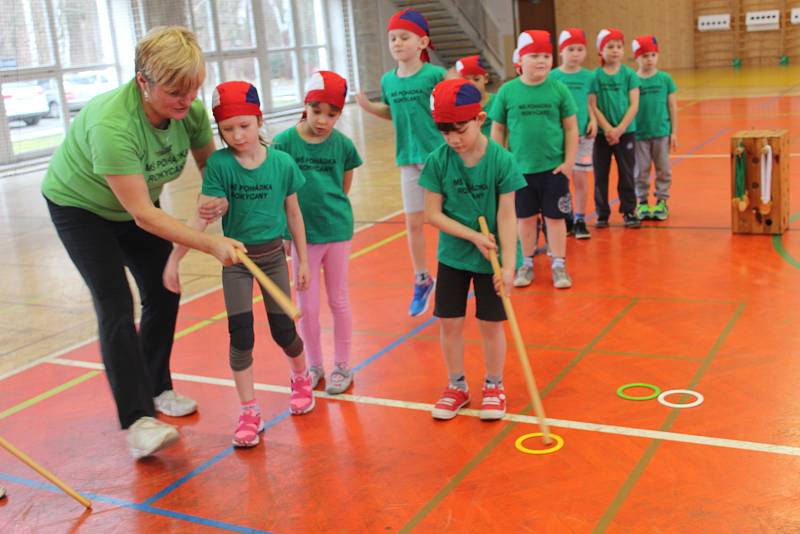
[{"x": 102, "y": 189}]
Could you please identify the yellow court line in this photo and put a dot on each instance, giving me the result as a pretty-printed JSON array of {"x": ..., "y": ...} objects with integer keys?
[
  {"x": 357, "y": 254},
  {"x": 47, "y": 394}
]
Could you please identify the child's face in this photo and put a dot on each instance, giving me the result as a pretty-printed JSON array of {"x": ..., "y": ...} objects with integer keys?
[
  {"x": 613, "y": 52},
  {"x": 478, "y": 80},
  {"x": 648, "y": 60},
  {"x": 466, "y": 136},
  {"x": 241, "y": 132},
  {"x": 321, "y": 118},
  {"x": 573, "y": 55},
  {"x": 405, "y": 45},
  {"x": 536, "y": 66}
]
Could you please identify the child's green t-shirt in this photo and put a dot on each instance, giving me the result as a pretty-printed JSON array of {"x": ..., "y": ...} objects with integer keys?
[
  {"x": 578, "y": 84},
  {"x": 469, "y": 192},
  {"x": 612, "y": 93},
  {"x": 653, "y": 120},
  {"x": 533, "y": 115},
  {"x": 486, "y": 129}
]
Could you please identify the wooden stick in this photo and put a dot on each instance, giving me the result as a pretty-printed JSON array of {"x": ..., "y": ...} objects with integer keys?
[
  {"x": 45, "y": 473},
  {"x": 275, "y": 292},
  {"x": 523, "y": 354}
]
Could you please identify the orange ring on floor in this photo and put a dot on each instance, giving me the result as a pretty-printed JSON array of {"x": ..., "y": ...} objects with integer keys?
[{"x": 522, "y": 448}]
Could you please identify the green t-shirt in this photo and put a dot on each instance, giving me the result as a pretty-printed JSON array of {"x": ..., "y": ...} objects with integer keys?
[
  {"x": 652, "y": 120},
  {"x": 578, "y": 84},
  {"x": 468, "y": 193},
  {"x": 327, "y": 212},
  {"x": 112, "y": 135},
  {"x": 486, "y": 129},
  {"x": 612, "y": 94},
  {"x": 409, "y": 99},
  {"x": 256, "y": 212},
  {"x": 533, "y": 115}
]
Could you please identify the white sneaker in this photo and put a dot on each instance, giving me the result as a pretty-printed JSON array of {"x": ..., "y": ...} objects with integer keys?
[
  {"x": 148, "y": 435},
  {"x": 524, "y": 276},
  {"x": 561, "y": 279},
  {"x": 2, "y": 492},
  {"x": 174, "y": 404}
]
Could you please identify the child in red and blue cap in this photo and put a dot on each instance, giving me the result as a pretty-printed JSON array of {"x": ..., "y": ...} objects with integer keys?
[
  {"x": 656, "y": 129},
  {"x": 405, "y": 95},
  {"x": 467, "y": 177},
  {"x": 471, "y": 69}
]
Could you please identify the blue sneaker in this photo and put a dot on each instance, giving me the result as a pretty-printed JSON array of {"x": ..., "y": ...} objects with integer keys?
[{"x": 422, "y": 293}]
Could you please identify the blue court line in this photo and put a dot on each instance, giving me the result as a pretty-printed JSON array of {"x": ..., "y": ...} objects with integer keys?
[
  {"x": 138, "y": 507},
  {"x": 402, "y": 339}
]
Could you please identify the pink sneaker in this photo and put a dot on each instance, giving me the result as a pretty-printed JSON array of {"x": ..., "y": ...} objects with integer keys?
[
  {"x": 250, "y": 425},
  {"x": 301, "y": 399},
  {"x": 452, "y": 400},
  {"x": 494, "y": 402}
]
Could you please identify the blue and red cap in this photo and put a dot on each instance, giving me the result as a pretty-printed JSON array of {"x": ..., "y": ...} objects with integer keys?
[
  {"x": 415, "y": 22},
  {"x": 644, "y": 44},
  {"x": 231, "y": 99},
  {"x": 455, "y": 100},
  {"x": 470, "y": 66}
]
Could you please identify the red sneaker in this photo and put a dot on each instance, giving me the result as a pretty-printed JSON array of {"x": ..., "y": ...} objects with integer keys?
[
  {"x": 493, "y": 405},
  {"x": 452, "y": 400}
]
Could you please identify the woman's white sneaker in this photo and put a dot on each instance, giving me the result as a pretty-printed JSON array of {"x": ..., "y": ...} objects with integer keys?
[
  {"x": 148, "y": 435},
  {"x": 174, "y": 404}
]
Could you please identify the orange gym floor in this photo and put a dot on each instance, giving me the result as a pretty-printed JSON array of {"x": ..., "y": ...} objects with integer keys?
[{"x": 682, "y": 304}]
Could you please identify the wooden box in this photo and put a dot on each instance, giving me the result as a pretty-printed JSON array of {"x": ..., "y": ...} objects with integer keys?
[{"x": 750, "y": 215}]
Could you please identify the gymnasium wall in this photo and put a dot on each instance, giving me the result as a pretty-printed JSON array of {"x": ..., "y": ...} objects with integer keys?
[{"x": 671, "y": 21}]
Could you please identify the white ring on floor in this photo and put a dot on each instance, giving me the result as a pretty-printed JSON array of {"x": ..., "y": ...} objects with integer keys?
[{"x": 697, "y": 402}]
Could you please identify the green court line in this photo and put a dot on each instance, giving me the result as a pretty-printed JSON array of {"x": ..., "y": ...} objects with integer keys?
[
  {"x": 644, "y": 461},
  {"x": 777, "y": 244},
  {"x": 573, "y": 293},
  {"x": 508, "y": 427},
  {"x": 47, "y": 394}
]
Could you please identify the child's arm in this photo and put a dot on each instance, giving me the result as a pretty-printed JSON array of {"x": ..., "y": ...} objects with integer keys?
[
  {"x": 171, "y": 274},
  {"x": 437, "y": 218},
  {"x": 499, "y": 134},
  {"x": 633, "y": 109},
  {"x": 507, "y": 232},
  {"x": 379, "y": 109},
  {"x": 591, "y": 128},
  {"x": 297, "y": 228},
  {"x": 570, "y": 125},
  {"x": 672, "y": 102},
  {"x": 598, "y": 115},
  {"x": 348, "y": 181}
]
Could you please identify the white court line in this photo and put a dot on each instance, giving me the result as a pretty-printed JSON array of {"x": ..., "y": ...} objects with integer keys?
[
  {"x": 79, "y": 344},
  {"x": 529, "y": 419}
]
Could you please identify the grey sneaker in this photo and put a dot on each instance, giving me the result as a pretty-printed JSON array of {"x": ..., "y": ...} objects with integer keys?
[
  {"x": 524, "y": 276},
  {"x": 148, "y": 435},
  {"x": 317, "y": 373},
  {"x": 561, "y": 279},
  {"x": 174, "y": 404},
  {"x": 341, "y": 378}
]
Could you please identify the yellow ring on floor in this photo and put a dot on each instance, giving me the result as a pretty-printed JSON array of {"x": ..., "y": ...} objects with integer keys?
[{"x": 522, "y": 448}]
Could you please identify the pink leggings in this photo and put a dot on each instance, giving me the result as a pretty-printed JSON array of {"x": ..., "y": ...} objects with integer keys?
[{"x": 334, "y": 258}]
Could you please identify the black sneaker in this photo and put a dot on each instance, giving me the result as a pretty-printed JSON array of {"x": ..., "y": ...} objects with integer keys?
[
  {"x": 570, "y": 225},
  {"x": 580, "y": 230},
  {"x": 601, "y": 223},
  {"x": 631, "y": 220}
]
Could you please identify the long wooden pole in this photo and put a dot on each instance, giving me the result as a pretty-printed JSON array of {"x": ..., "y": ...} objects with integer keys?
[
  {"x": 530, "y": 381},
  {"x": 45, "y": 473},
  {"x": 275, "y": 292}
]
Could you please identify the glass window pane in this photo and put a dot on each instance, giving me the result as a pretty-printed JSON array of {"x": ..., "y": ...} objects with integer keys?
[
  {"x": 235, "y": 24},
  {"x": 245, "y": 69},
  {"x": 211, "y": 81},
  {"x": 311, "y": 22},
  {"x": 84, "y": 34},
  {"x": 202, "y": 25},
  {"x": 314, "y": 59},
  {"x": 33, "y": 123},
  {"x": 25, "y": 38},
  {"x": 80, "y": 87},
  {"x": 283, "y": 80},
  {"x": 278, "y": 22}
]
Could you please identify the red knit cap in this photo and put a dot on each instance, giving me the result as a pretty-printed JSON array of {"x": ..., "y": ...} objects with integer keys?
[
  {"x": 571, "y": 36},
  {"x": 455, "y": 100},
  {"x": 606, "y": 35},
  {"x": 470, "y": 66},
  {"x": 534, "y": 42},
  {"x": 413, "y": 21},
  {"x": 232, "y": 99},
  {"x": 328, "y": 87},
  {"x": 644, "y": 44}
]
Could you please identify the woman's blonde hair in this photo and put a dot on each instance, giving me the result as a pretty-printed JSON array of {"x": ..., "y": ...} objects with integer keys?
[{"x": 170, "y": 56}]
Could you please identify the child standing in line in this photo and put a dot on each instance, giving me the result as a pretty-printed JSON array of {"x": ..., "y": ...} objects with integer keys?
[
  {"x": 405, "y": 94},
  {"x": 260, "y": 185},
  {"x": 327, "y": 158},
  {"x": 656, "y": 129},
  {"x": 578, "y": 79},
  {"x": 614, "y": 100},
  {"x": 536, "y": 115},
  {"x": 465, "y": 178},
  {"x": 470, "y": 69}
]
